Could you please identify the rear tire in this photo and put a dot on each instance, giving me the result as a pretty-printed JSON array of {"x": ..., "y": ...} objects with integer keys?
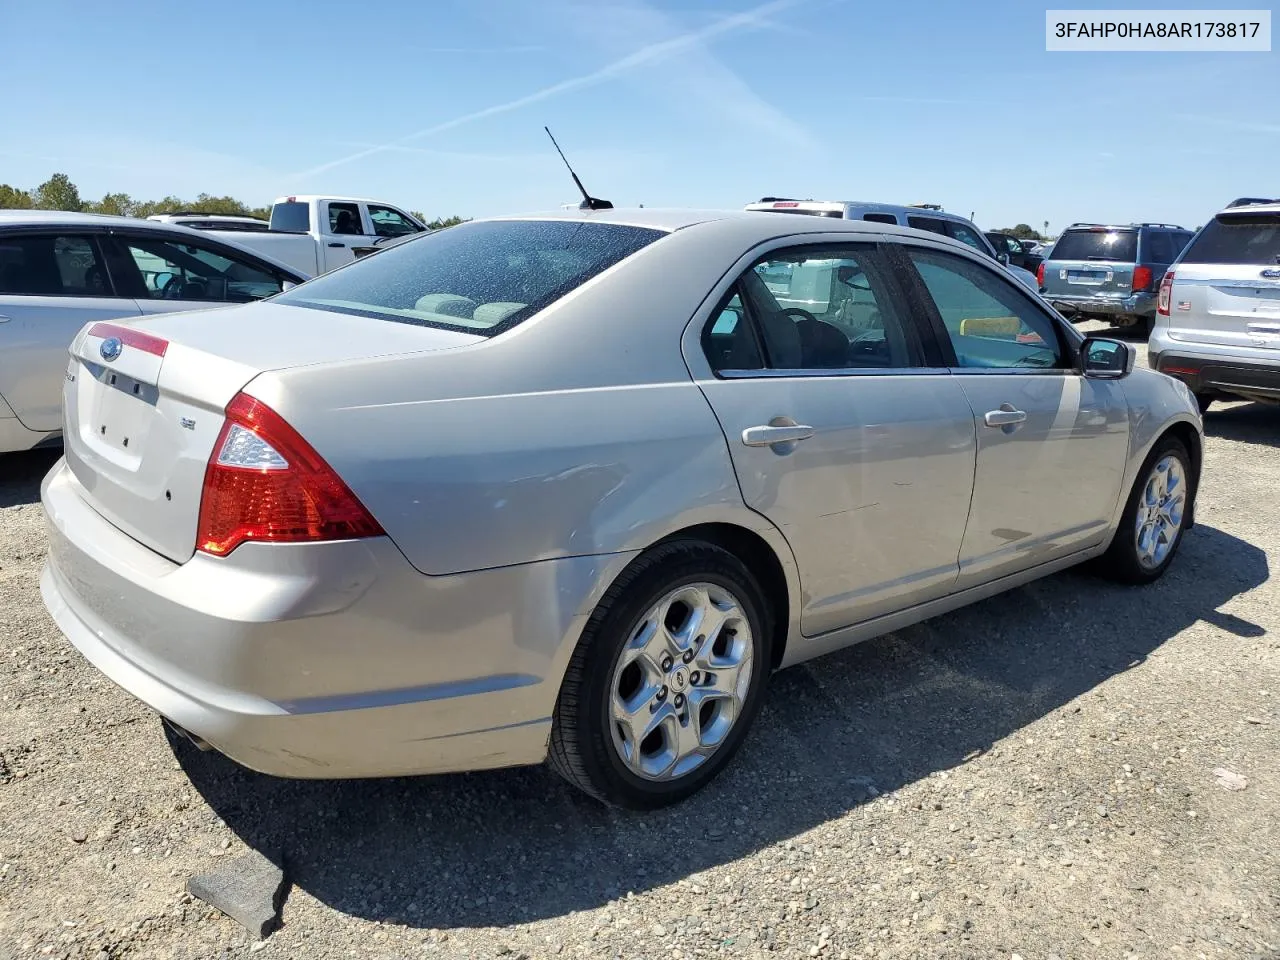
[
  {"x": 1161, "y": 497},
  {"x": 618, "y": 732}
]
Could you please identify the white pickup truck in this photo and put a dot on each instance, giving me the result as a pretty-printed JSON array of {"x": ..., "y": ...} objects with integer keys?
[{"x": 315, "y": 234}]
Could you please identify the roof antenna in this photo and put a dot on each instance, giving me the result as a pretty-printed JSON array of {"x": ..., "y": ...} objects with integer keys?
[{"x": 588, "y": 202}]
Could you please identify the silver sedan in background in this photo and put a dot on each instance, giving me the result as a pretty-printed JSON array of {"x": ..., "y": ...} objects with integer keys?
[{"x": 571, "y": 487}]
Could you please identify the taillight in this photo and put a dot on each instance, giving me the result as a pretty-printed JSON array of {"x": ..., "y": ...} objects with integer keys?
[
  {"x": 1166, "y": 294},
  {"x": 1141, "y": 278},
  {"x": 264, "y": 482},
  {"x": 1040, "y": 274}
]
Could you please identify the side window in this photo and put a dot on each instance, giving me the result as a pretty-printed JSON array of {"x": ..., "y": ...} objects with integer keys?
[
  {"x": 390, "y": 223},
  {"x": 186, "y": 271},
  {"x": 989, "y": 321},
  {"x": 344, "y": 218},
  {"x": 821, "y": 309},
  {"x": 729, "y": 341},
  {"x": 1159, "y": 247},
  {"x": 958, "y": 231},
  {"x": 880, "y": 218},
  {"x": 52, "y": 266},
  {"x": 932, "y": 224}
]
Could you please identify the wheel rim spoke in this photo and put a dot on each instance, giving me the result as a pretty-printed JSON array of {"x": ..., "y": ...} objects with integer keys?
[
  {"x": 1160, "y": 512},
  {"x": 680, "y": 682}
]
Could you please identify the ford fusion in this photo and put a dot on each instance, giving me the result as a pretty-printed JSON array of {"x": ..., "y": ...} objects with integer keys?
[{"x": 569, "y": 488}]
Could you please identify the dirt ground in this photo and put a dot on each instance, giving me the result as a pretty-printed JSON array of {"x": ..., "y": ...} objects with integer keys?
[{"x": 1033, "y": 776}]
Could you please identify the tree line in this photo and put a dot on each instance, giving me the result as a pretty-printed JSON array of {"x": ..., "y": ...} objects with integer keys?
[{"x": 59, "y": 193}]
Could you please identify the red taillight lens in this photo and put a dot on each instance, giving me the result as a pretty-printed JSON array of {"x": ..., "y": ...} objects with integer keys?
[
  {"x": 264, "y": 482},
  {"x": 1166, "y": 294},
  {"x": 1040, "y": 274},
  {"x": 1141, "y": 278}
]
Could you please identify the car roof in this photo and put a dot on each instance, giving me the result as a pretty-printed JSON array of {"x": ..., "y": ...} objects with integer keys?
[
  {"x": 774, "y": 204},
  {"x": 763, "y": 225},
  {"x": 1247, "y": 209}
]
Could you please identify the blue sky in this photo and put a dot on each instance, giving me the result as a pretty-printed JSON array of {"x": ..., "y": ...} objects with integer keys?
[{"x": 438, "y": 105}]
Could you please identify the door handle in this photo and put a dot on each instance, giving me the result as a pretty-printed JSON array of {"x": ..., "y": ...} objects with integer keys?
[
  {"x": 337, "y": 244},
  {"x": 1007, "y": 416},
  {"x": 771, "y": 434}
]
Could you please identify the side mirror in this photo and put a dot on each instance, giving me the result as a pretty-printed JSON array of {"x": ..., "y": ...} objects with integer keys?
[
  {"x": 1003, "y": 258},
  {"x": 287, "y": 285},
  {"x": 1104, "y": 359}
]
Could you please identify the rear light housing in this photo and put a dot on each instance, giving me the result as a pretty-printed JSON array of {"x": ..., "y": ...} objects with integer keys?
[
  {"x": 1166, "y": 294},
  {"x": 264, "y": 482},
  {"x": 1141, "y": 278},
  {"x": 1040, "y": 274}
]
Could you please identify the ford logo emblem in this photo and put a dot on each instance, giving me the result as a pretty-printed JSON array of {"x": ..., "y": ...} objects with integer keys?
[
  {"x": 111, "y": 348},
  {"x": 1271, "y": 274}
]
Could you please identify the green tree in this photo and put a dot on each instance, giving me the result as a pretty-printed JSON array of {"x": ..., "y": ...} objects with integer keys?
[
  {"x": 438, "y": 224},
  {"x": 115, "y": 204},
  {"x": 11, "y": 198},
  {"x": 58, "y": 193},
  {"x": 1024, "y": 231}
]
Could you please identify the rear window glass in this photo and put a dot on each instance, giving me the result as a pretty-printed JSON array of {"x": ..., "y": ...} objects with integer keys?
[
  {"x": 1121, "y": 245},
  {"x": 1251, "y": 240},
  {"x": 479, "y": 277},
  {"x": 291, "y": 217}
]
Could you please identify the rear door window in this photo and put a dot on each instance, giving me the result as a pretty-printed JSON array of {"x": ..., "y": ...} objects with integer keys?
[
  {"x": 932, "y": 224},
  {"x": 477, "y": 277},
  {"x": 1252, "y": 239},
  {"x": 344, "y": 219},
  {"x": 52, "y": 265},
  {"x": 1097, "y": 243},
  {"x": 880, "y": 218}
]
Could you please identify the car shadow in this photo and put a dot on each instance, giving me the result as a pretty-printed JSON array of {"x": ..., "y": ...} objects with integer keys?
[
  {"x": 1245, "y": 422},
  {"x": 21, "y": 473},
  {"x": 496, "y": 848}
]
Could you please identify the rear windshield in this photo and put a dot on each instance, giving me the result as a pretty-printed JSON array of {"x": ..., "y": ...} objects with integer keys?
[
  {"x": 1097, "y": 244},
  {"x": 292, "y": 217},
  {"x": 1244, "y": 239},
  {"x": 478, "y": 277}
]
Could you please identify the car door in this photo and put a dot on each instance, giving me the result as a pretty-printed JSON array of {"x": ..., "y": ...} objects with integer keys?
[
  {"x": 840, "y": 432},
  {"x": 166, "y": 272},
  {"x": 52, "y": 282},
  {"x": 1052, "y": 443},
  {"x": 343, "y": 229}
]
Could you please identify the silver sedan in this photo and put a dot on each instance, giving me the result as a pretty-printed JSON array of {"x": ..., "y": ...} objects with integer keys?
[{"x": 571, "y": 487}]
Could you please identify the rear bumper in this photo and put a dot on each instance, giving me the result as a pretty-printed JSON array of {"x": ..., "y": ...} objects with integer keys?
[
  {"x": 1137, "y": 305},
  {"x": 322, "y": 660},
  {"x": 1207, "y": 372}
]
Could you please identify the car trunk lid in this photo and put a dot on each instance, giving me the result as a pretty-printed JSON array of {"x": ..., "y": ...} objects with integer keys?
[
  {"x": 144, "y": 402},
  {"x": 1093, "y": 262},
  {"x": 1226, "y": 288}
]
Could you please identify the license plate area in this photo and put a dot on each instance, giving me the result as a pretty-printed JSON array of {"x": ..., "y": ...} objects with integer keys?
[
  {"x": 1089, "y": 278},
  {"x": 117, "y": 412}
]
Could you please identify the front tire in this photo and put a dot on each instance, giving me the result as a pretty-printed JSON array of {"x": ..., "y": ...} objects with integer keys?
[
  {"x": 666, "y": 679},
  {"x": 1153, "y": 521}
]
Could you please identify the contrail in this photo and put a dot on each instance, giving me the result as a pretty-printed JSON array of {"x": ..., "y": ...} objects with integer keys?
[{"x": 653, "y": 51}]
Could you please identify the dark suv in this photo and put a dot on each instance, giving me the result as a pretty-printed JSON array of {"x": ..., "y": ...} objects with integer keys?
[{"x": 1110, "y": 273}]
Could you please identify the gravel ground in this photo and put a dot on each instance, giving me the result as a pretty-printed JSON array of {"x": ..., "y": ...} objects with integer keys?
[{"x": 1032, "y": 777}]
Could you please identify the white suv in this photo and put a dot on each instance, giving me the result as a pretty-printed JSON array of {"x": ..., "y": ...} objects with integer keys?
[{"x": 1218, "y": 312}]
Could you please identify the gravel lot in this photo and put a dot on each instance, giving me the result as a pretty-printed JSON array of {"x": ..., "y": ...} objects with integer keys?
[{"x": 1033, "y": 776}]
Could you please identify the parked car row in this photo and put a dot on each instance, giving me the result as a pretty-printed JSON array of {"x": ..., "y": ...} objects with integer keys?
[{"x": 59, "y": 271}]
